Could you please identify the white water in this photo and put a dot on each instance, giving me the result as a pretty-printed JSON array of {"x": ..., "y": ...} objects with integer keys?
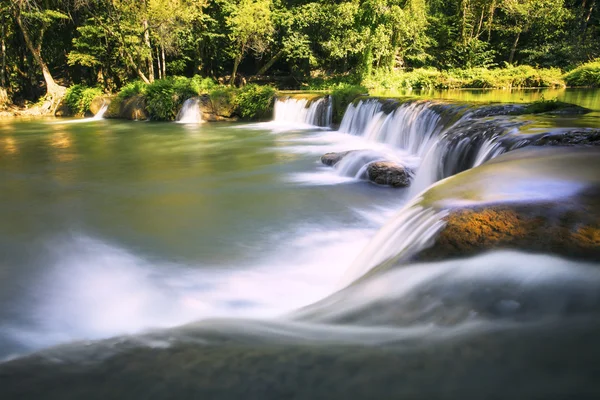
[
  {"x": 190, "y": 112},
  {"x": 101, "y": 112},
  {"x": 94, "y": 289},
  {"x": 291, "y": 111}
]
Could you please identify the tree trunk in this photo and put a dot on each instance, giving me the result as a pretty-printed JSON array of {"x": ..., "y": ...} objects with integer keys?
[
  {"x": 270, "y": 63},
  {"x": 586, "y": 19},
  {"x": 236, "y": 64},
  {"x": 158, "y": 63},
  {"x": 164, "y": 61},
  {"x": 3, "y": 72},
  {"x": 54, "y": 92},
  {"x": 491, "y": 19},
  {"x": 514, "y": 49},
  {"x": 149, "y": 59},
  {"x": 463, "y": 33}
]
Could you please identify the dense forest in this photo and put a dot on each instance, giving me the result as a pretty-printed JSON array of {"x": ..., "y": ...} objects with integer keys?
[{"x": 48, "y": 45}]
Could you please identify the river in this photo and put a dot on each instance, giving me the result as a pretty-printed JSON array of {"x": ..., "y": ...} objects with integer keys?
[{"x": 117, "y": 234}]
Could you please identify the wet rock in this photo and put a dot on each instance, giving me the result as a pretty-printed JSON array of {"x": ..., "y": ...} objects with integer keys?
[
  {"x": 574, "y": 137},
  {"x": 331, "y": 159},
  {"x": 388, "y": 173},
  {"x": 552, "y": 228},
  {"x": 498, "y": 109},
  {"x": 98, "y": 103}
]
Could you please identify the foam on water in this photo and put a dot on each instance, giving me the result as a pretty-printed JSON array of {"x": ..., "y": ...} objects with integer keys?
[{"x": 94, "y": 289}]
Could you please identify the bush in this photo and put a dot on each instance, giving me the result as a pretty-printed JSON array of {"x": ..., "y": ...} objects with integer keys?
[
  {"x": 342, "y": 96},
  {"x": 79, "y": 97},
  {"x": 255, "y": 102},
  {"x": 587, "y": 74},
  {"x": 132, "y": 89},
  {"x": 164, "y": 97},
  {"x": 202, "y": 85},
  {"x": 501, "y": 78}
]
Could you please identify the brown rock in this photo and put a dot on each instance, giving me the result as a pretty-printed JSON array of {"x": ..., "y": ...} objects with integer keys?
[
  {"x": 388, "y": 173},
  {"x": 547, "y": 228}
]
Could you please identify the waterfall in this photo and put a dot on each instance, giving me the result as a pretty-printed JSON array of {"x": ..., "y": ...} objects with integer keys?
[
  {"x": 448, "y": 138},
  {"x": 190, "y": 112},
  {"x": 101, "y": 112},
  {"x": 317, "y": 112}
]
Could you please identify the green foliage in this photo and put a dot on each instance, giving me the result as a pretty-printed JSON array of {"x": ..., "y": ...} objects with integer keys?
[
  {"x": 132, "y": 89},
  {"x": 255, "y": 102},
  {"x": 164, "y": 97},
  {"x": 342, "y": 96},
  {"x": 78, "y": 98},
  {"x": 587, "y": 74},
  {"x": 202, "y": 85},
  {"x": 501, "y": 78}
]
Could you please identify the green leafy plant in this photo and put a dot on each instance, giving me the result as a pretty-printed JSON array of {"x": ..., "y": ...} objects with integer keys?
[
  {"x": 255, "y": 102},
  {"x": 79, "y": 97}
]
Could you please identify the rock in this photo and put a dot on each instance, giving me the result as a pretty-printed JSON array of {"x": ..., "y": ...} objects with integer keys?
[
  {"x": 132, "y": 108},
  {"x": 63, "y": 110},
  {"x": 331, "y": 159},
  {"x": 574, "y": 137},
  {"x": 551, "y": 228},
  {"x": 388, "y": 173},
  {"x": 98, "y": 103}
]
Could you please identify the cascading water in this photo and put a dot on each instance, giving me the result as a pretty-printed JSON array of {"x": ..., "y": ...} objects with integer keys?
[
  {"x": 101, "y": 112},
  {"x": 317, "y": 112},
  {"x": 448, "y": 138},
  {"x": 190, "y": 112}
]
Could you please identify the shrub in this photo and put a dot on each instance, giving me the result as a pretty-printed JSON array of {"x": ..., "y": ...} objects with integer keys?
[
  {"x": 164, "y": 97},
  {"x": 202, "y": 85},
  {"x": 587, "y": 74},
  {"x": 79, "y": 97},
  {"x": 342, "y": 96},
  {"x": 254, "y": 101},
  {"x": 223, "y": 100},
  {"x": 132, "y": 89}
]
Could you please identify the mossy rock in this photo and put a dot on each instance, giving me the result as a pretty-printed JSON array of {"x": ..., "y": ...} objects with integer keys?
[
  {"x": 132, "y": 108},
  {"x": 552, "y": 228}
]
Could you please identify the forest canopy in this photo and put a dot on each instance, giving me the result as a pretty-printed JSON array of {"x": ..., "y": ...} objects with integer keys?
[{"x": 48, "y": 45}]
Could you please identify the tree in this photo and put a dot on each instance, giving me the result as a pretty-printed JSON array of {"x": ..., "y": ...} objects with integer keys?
[
  {"x": 251, "y": 29},
  {"x": 528, "y": 13},
  {"x": 33, "y": 20}
]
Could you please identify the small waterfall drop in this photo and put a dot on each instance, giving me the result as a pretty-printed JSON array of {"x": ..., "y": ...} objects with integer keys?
[
  {"x": 190, "y": 112},
  {"x": 317, "y": 112},
  {"x": 100, "y": 114}
]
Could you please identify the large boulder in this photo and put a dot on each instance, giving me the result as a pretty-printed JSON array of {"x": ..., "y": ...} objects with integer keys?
[
  {"x": 132, "y": 108},
  {"x": 388, "y": 173}
]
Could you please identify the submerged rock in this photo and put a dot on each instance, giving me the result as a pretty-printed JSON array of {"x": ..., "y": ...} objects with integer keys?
[
  {"x": 331, "y": 159},
  {"x": 388, "y": 173}
]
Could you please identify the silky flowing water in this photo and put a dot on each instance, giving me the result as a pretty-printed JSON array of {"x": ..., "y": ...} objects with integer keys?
[{"x": 227, "y": 254}]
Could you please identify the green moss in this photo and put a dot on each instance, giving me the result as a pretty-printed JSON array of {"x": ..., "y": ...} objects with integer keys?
[{"x": 79, "y": 97}]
